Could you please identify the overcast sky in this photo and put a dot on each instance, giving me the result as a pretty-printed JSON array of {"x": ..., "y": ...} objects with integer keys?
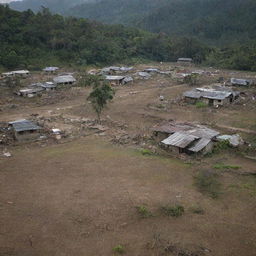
[{"x": 7, "y": 1}]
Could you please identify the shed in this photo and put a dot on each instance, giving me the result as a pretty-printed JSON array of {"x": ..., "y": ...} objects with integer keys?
[
  {"x": 115, "y": 80},
  {"x": 24, "y": 130},
  {"x": 211, "y": 96},
  {"x": 241, "y": 82},
  {"x": 30, "y": 92},
  {"x": 50, "y": 69},
  {"x": 21, "y": 73},
  {"x": 144, "y": 75},
  {"x": 64, "y": 80},
  {"x": 185, "y": 61}
]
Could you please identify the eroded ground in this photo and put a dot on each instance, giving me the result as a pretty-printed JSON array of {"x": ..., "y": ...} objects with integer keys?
[{"x": 78, "y": 195}]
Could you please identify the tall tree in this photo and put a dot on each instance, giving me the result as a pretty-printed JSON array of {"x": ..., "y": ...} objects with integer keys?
[{"x": 101, "y": 94}]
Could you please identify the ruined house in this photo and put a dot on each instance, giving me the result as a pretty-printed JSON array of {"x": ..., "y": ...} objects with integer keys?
[
  {"x": 24, "y": 130},
  {"x": 186, "y": 138},
  {"x": 30, "y": 92},
  {"x": 214, "y": 96},
  {"x": 64, "y": 80}
]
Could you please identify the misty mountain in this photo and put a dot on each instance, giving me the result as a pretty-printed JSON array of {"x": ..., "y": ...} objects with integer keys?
[
  {"x": 210, "y": 20},
  {"x": 56, "y": 6}
]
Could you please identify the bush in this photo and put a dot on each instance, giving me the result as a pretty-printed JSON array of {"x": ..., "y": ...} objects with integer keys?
[
  {"x": 143, "y": 212},
  {"x": 146, "y": 152},
  {"x": 207, "y": 183},
  {"x": 201, "y": 104},
  {"x": 173, "y": 211},
  {"x": 119, "y": 249},
  {"x": 220, "y": 146}
]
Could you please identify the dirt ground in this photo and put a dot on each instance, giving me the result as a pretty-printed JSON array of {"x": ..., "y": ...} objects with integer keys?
[{"x": 78, "y": 195}]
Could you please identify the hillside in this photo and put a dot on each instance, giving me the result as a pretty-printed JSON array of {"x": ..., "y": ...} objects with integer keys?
[
  {"x": 209, "y": 20},
  {"x": 58, "y": 6},
  {"x": 33, "y": 40}
]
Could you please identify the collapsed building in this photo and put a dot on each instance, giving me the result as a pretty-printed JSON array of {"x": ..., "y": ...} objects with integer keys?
[
  {"x": 186, "y": 138},
  {"x": 214, "y": 96}
]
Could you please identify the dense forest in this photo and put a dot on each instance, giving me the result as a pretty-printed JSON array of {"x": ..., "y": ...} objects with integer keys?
[
  {"x": 215, "y": 32},
  {"x": 33, "y": 40}
]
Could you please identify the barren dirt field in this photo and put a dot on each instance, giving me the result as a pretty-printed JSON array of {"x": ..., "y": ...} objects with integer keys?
[{"x": 81, "y": 195}]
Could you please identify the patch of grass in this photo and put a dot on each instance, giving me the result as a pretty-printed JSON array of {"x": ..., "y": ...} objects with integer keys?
[
  {"x": 146, "y": 152},
  {"x": 119, "y": 249},
  {"x": 173, "y": 211},
  {"x": 201, "y": 104},
  {"x": 144, "y": 212},
  {"x": 207, "y": 183},
  {"x": 221, "y": 166},
  {"x": 197, "y": 209}
]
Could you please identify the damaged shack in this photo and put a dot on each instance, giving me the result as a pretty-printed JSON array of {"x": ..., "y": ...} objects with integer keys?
[
  {"x": 24, "y": 130},
  {"x": 186, "y": 138},
  {"x": 214, "y": 96}
]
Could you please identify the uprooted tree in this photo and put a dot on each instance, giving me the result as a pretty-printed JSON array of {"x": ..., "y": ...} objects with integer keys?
[{"x": 101, "y": 94}]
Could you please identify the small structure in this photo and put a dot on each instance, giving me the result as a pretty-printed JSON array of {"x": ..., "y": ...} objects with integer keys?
[
  {"x": 128, "y": 79},
  {"x": 64, "y": 80},
  {"x": 21, "y": 73},
  {"x": 7, "y": 74},
  {"x": 30, "y": 92},
  {"x": 144, "y": 75},
  {"x": 48, "y": 86},
  {"x": 185, "y": 61},
  {"x": 50, "y": 69},
  {"x": 115, "y": 70},
  {"x": 24, "y": 130},
  {"x": 185, "y": 137},
  {"x": 151, "y": 70},
  {"x": 115, "y": 80},
  {"x": 214, "y": 96},
  {"x": 241, "y": 82}
]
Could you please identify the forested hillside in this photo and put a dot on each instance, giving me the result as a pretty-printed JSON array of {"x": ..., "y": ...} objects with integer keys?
[
  {"x": 215, "y": 21},
  {"x": 34, "y": 40},
  {"x": 58, "y": 6}
]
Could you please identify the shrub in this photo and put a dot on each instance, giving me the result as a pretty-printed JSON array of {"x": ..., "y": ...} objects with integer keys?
[
  {"x": 119, "y": 249},
  {"x": 174, "y": 211},
  {"x": 207, "y": 182},
  {"x": 146, "y": 152},
  {"x": 143, "y": 212},
  {"x": 201, "y": 104},
  {"x": 220, "y": 146}
]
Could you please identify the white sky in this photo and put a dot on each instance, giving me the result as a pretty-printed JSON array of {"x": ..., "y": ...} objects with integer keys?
[{"x": 8, "y": 1}]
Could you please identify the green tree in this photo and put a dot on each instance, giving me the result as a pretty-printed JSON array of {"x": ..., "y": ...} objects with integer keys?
[{"x": 100, "y": 96}]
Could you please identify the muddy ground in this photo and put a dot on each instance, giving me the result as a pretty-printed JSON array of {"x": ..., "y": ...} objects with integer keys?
[{"x": 78, "y": 195}]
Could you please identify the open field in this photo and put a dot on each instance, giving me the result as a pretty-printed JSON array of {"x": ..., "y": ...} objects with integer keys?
[{"x": 78, "y": 196}]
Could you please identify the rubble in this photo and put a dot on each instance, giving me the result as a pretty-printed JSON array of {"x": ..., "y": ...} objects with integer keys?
[{"x": 234, "y": 140}]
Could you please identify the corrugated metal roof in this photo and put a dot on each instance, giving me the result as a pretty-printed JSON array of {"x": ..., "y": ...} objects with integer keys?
[
  {"x": 189, "y": 128},
  {"x": 199, "y": 145},
  {"x": 185, "y": 59},
  {"x": 115, "y": 78},
  {"x": 179, "y": 139},
  {"x": 64, "y": 79},
  {"x": 207, "y": 93},
  {"x": 20, "y": 72},
  {"x": 244, "y": 82},
  {"x": 50, "y": 69},
  {"x": 24, "y": 125}
]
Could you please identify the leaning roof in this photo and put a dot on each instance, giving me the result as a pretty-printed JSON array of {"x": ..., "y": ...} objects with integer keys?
[
  {"x": 24, "y": 125},
  {"x": 199, "y": 145},
  {"x": 179, "y": 139},
  {"x": 64, "y": 79}
]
